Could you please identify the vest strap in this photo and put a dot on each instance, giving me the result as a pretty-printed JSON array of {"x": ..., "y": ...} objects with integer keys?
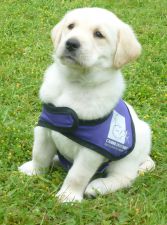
[
  {"x": 62, "y": 119},
  {"x": 67, "y": 164}
]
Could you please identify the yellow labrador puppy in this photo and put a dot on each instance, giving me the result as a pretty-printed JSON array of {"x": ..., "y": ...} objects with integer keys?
[{"x": 84, "y": 122}]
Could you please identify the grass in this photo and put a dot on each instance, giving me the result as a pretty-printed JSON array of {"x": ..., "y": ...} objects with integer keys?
[{"x": 26, "y": 49}]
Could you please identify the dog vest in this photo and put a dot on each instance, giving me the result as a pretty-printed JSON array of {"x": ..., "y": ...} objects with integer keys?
[{"x": 112, "y": 136}]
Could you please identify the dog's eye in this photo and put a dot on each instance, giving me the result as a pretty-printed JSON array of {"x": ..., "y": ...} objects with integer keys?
[
  {"x": 71, "y": 26},
  {"x": 98, "y": 34}
]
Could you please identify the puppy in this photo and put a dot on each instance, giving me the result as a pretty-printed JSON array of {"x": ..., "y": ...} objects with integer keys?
[{"x": 84, "y": 121}]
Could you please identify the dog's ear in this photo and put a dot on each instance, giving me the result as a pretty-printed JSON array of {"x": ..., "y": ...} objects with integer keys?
[
  {"x": 128, "y": 48},
  {"x": 56, "y": 33}
]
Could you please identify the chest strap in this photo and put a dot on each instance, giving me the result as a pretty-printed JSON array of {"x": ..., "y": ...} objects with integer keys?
[{"x": 62, "y": 119}]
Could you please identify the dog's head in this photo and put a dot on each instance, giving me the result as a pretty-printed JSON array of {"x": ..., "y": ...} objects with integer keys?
[{"x": 94, "y": 37}]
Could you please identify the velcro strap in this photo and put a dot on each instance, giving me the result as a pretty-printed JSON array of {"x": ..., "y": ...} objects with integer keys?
[{"x": 62, "y": 119}]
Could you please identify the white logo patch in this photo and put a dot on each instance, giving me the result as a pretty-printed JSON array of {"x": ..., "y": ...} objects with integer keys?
[{"x": 117, "y": 130}]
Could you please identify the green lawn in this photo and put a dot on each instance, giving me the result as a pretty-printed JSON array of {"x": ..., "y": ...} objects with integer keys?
[{"x": 26, "y": 49}]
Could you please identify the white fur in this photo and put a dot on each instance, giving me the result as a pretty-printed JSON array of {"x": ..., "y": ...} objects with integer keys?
[{"x": 91, "y": 84}]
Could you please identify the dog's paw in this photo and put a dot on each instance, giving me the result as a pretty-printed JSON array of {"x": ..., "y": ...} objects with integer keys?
[
  {"x": 96, "y": 187},
  {"x": 147, "y": 165},
  {"x": 29, "y": 169},
  {"x": 55, "y": 162},
  {"x": 68, "y": 196}
]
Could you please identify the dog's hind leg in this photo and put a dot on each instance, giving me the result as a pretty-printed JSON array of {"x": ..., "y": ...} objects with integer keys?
[{"x": 120, "y": 175}]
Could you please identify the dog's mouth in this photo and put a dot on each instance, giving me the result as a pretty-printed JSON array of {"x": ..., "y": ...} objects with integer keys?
[
  {"x": 69, "y": 59},
  {"x": 72, "y": 59}
]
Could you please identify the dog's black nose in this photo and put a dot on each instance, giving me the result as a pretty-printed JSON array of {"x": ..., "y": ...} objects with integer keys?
[{"x": 72, "y": 44}]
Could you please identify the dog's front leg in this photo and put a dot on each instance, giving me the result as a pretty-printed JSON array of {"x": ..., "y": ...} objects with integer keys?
[
  {"x": 84, "y": 167},
  {"x": 43, "y": 153}
]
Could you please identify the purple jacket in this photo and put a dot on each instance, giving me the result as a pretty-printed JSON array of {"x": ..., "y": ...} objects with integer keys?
[{"x": 112, "y": 136}]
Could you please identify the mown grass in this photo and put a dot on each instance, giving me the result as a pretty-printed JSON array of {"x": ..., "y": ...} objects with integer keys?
[{"x": 26, "y": 50}]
